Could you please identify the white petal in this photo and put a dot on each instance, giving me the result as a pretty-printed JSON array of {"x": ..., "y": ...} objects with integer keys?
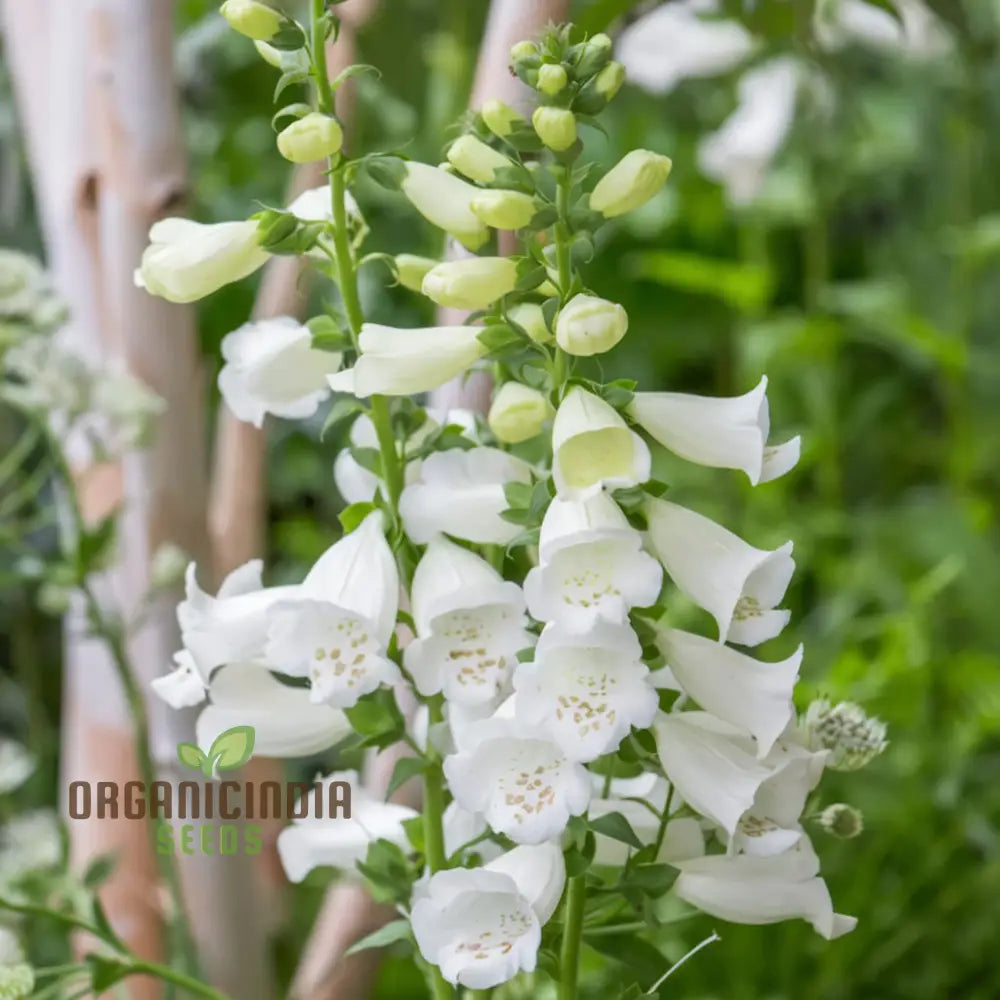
[
  {"x": 738, "y": 689},
  {"x": 244, "y": 579},
  {"x": 16, "y": 766},
  {"x": 183, "y": 686},
  {"x": 717, "y": 569},
  {"x": 586, "y": 690},
  {"x": 596, "y": 518},
  {"x": 716, "y": 777},
  {"x": 285, "y": 722},
  {"x": 460, "y": 493},
  {"x": 355, "y": 483},
  {"x": 780, "y": 458},
  {"x": 538, "y": 872},
  {"x": 592, "y": 446}
]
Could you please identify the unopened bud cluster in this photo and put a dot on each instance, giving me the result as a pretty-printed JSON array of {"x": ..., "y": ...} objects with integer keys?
[{"x": 853, "y": 737}]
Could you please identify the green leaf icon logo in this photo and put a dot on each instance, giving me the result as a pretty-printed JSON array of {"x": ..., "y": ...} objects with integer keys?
[
  {"x": 191, "y": 756},
  {"x": 232, "y": 748}
]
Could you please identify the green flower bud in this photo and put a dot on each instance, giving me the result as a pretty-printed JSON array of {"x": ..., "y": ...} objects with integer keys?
[
  {"x": 518, "y": 413},
  {"x": 609, "y": 81},
  {"x": 551, "y": 79},
  {"x": 470, "y": 284},
  {"x": 853, "y": 738},
  {"x": 530, "y": 317},
  {"x": 253, "y": 19},
  {"x": 16, "y": 981},
  {"x": 841, "y": 820},
  {"x": 501, "y": 119},
  {"x": 472, "y": 157},
  {"x": 504, "y": 209},
  {"x": 411, "y": 270},
  {"x": 314, "y": 136},
  {"x": 556, "y": 127},
  {"x": 630, "y": 183},
  {"x": 590, "y": 325},
  {"x": 596, "y": 53},
  {"x": 521, "y": 51}
]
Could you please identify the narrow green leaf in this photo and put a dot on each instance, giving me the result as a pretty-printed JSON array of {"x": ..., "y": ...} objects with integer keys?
[
  {"x": 395, "y": 930},
  {"x": 617, "y": 827}
]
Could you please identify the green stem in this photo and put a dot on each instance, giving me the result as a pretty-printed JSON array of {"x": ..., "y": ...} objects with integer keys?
[
  {"x": 324, "y": 92},
  {"x": 664, "y": 821},
  {"x": 569, "y": 959},
  {"x": 179, "y": 979},
  {"x": 564, "y": 262},
  {"x": 478, "y": 994}
]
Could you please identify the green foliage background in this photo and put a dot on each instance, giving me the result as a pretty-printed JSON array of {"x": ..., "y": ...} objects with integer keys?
[{"x": 865, "y": 284}]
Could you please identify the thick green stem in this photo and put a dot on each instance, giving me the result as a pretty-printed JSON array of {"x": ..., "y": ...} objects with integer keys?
[
  {"x": 664, "y": 821},
  {"x": 324, "y": 92},
  {"x": 564, "y": 263},
  {"x": 569, "y": 959},
  {"x": 168, "y": 975}
]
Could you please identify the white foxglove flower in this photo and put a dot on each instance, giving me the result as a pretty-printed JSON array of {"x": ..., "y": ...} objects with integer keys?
[
  {"x": 340, "y": 842},
  {"x": 461, "y": 826},
  {"x": 673, "y": 43},
  {"x": 470, "y": 626},
  {"x": 188, "y": 260},
  {"x": 286, "y": 722},
  {"x": 749, "y": 890},
  {"x": 185, "y": 685},
  {"x": 920, "y": 35},
  {"x": 272, "y": 367},
  {"x": 232, "y": 626},
  {"x": 445, "y": 201},
  {"x": 29, "y": 842},
  {"x": 586, "y": 690},
  {"x": 356, "y": 483},
  {"x": 396, "y": 362},
  {"x": 739, "y": 585},
  {"x": 337, "y": 628},
  {"x": 461, "y": 493},
  {"x": 16, "y": 765},
  {"x": 592, "y": 567},
  {"x": 728, "y": 433},
  {"x": 519, "y": 779},
  {"x": 471, "y": 282},
  {"x": 740, "y": 153},
  {"x": 710, "y": 765},
  {"x": 592, "y": 446},
  {"x": 734, "y": 687},
  {"x": 482, "y": 926}
]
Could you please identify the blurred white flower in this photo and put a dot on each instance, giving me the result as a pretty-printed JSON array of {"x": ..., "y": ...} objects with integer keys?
[
  {"x": 921, "y": 35},
  {"x": 340, "y": 842},
  {"x": 272, "y": 367},
  {"x": 16, "y": 765},
  {"x": 29, "y": 842}
]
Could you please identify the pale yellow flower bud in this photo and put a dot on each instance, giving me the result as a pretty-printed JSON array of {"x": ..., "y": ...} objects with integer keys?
[
  {"x": 523, "y": 50},
  {"x": 518, "y": 413},
  {"x": 314, "y": 136},
  {"x": 504, "y": 209},
  {"x": 589, "y": 325},
  {"x": 551, "y": 79},
  {"x": 501, "y": 119},
  {"x": 412, "y": 269},
  {"x": 472, "y": 157},
  {"x": 631, "y": 182},
  {"x": 556, "y": 127},
  {"x": 609, "y": 81},
  {"x": 530, "y": 317},
  {"x": 470, "y": 284},
  {"x": 253, "y": 19}
]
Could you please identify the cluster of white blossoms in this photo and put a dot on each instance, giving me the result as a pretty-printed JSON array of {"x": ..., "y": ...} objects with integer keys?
[{"x": 565, "y": 727}]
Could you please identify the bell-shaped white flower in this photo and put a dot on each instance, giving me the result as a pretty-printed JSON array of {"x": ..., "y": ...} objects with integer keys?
[
  {"x": 672, "y": 43},
  {"x": 728, "y": 433},
  {"x": 356, "y": 483},
  {"x": 709, "y": 765},
  {"x": 734, "y": 687},
  {"x": 338, "y": 841},
  {"x": 739, "y": 585},
  {"x": 188, "y": 260},
  {"x": 445, "y": 201},
  {"x": 482, "y": 926},
  {"x": 286, "y": 723},
  {"x": 336, "y": 630},
  {"x": 396, "y": 362},
  {"x": 461, "y": 826},
  {"x": 592, "y": 565},
  {"x": 461, "y": 493},
  {"x": 272, "y": 367},
  {"x": 232, "y": 626},
  {"x": 184, "y": 685},
  {"x": 518, "y": 778},
  {"x": 586, "y": 690},
  {"x": 740, "y": 153},
  {"x": 749, "y": 890},
  {"x": 592, "y": 446},
  {"x": 470, "y": 626}
]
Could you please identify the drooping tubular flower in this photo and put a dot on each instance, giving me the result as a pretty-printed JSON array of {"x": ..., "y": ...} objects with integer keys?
[
  {"x": 592, "y": 447},
  {"x": 592, "y": 565},
  {"x": 739, "y": 585},
  {"x": 470, "y": 626},
  {"x": 482, "y": 926},
  {"x": 272, "y": 367},
  {"x": 336, "y": 628},
  {"x": 446, "y": 201},
  {"x": 395, "y": 362},
  {"x": 721, "y": 433},
  {"x": 586, "y": 690}
]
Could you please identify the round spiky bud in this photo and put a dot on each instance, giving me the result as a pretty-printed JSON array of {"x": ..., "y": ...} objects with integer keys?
[
  {"x": 841, "y": 820},
  {"x": 852, "y": 737}
]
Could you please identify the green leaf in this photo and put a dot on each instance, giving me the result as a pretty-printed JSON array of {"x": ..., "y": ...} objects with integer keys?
[
  {"x": 289, "y": 78},
  {"x": 352, "y": 516},
  {"x": 288, "y": 37},
  {"x": 297, "y": 110},
  {"x": 232, "y": 748},
  {"x": 387, "y": 171},
  {"x": 499, "y": 338},
  {"x": 100, "y": 869},
  {"x": 344, "y": 409},
  {"x": 94, "y": 546},
  {"x": 355, "y": 70},
  {"x": 639, "y": 961},
  {"x": 405, "y": 769},
  {"x": 395, "y": 930},
  {"x": 105, "y": 972},
  {"x": 377, "y": 718},
  {"x": 652, "y": 879},
  {"x": 191, "y": 756},
  {"x": 617, "y": 827}
]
